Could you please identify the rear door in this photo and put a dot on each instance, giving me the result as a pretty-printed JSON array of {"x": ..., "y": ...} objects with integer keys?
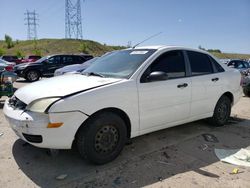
[
  {"x": 167, "y": 101},
  {"x": 68, "y": 60},
  {"x": 207, "y": 83}
]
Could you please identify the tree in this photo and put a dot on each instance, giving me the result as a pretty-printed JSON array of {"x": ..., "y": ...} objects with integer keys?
[
  {"x": 83, "y": 48},
  {"x": 8, "y": 41},
  {"x": 19, "y": 54},
  {"x": 37, "y": 52}
]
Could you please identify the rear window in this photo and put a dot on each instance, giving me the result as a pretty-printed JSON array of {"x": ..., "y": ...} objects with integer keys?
[
  {"x": 217, "y": 66},
  {"x": 200, "y": 63}
]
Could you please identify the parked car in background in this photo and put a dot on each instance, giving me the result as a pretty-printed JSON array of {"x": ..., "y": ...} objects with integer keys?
[
  {"x": 239, "y": 64},
  {"x": 46, "y": 66},
  {"x": 73, "y": 69},
  {"x": 244, "y": 68},
  {"x": 11, "y": 58},
  {"x": 225, "y": 61},
  {"x": 8, "y": 66},
  {"x": 122, "y": 95},
  {"x": 31, "y": 58}
]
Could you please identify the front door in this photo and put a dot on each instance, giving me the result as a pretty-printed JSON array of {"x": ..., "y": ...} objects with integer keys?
[
  {"x": 161, "y": 103},
  {"x": 53, "y": 63}
]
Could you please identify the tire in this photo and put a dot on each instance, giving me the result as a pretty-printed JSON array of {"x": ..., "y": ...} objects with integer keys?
[
  {"x": 102, "y": 138},
  {"x": 246, "y": 91},
  {"x": 222, "y": 112},
  {"x": 32, "y": 75}
]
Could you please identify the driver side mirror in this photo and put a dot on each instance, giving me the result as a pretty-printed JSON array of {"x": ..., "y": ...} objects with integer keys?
[{"x": 157, "y": 76}]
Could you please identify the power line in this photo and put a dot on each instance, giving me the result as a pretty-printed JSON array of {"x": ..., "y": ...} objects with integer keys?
[
  {"x": 73, "y": 20},
  {"x": 31, "y": 22}
]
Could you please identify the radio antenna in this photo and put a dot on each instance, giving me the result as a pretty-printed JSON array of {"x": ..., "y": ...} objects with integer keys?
[{"x": 147, "y": 39}]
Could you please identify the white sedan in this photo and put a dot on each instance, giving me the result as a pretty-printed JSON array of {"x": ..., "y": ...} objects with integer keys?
[{"x": 124, "y": 94}]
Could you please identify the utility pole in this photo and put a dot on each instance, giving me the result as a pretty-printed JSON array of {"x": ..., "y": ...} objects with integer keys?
[
  {"x": 31, "y": 22},
  {"x": 73, "y": 20}
]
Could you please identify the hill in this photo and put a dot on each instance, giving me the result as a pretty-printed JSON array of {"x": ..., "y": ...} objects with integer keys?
[
  {"x": 56, "y": 46},
  {"x": 70, "y": 46}
]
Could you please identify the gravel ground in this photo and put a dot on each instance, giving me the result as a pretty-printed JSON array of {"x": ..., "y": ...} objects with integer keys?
[{"x": 175, "y": 157}]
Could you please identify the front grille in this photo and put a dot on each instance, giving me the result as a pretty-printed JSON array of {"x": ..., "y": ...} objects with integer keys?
[
  {"x": 15, "y": 103},
  {"x": 33, "y": 138}
]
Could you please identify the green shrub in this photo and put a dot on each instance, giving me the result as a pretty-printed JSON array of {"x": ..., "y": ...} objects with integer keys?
[
  {"x": 2, "y": 51},
  {"x": 20, "y": 54},
  {"x": 9, "y": 41}
]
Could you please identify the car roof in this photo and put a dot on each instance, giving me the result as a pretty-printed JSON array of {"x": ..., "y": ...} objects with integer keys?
[{"x": 162, "y": 47}]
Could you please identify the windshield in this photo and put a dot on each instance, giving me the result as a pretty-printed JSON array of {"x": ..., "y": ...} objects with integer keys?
[
  {"x": 246, "y": 64},
  {"x": 42, "y": 59},
  {"x": 119, "y": 64},
  {"x": 3, "y": 61}
]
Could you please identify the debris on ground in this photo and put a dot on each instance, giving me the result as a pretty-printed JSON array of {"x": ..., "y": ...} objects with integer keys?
[
  {"x": 210, "y": 138},
  {"x": 162, "y": 162},
  {"x": 133, "y": 182},
  {"x": 239, "y": 157},
  {"x": 61, "y": 177},
  {"x": 166, "y": 155},
  {"x": 203, "y": 147},
  {"x": 1, "y": 134},
  {"x": 160, "y": 178},
  {"x": 235, "y": 171},
  {"x": 117, "y": 181}
]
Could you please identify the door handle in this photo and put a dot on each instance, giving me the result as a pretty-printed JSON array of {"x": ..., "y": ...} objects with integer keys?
[
  {"x": 215, "y": 79},
  {"x": 182, "y": 85}
]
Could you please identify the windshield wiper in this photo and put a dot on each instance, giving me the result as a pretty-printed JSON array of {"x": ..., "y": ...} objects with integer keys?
[{"x": 93, "y": 74}]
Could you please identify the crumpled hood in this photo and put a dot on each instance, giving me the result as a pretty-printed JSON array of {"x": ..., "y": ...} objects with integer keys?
[{"x": 60, "y": 86}]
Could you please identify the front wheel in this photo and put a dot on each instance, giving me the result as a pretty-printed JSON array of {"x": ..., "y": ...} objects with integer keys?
[
  {"x": 102, "y": 138},
  {"x": 32, "y": 75},
  {"x": 222, "y": 112}
]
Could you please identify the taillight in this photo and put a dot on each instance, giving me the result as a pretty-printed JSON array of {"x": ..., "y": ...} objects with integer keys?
[{"x": 9, "y": 68}]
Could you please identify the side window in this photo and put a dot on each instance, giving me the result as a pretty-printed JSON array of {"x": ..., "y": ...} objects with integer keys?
[
  {"x": 171, "y": 63},
  {"x": 217, "y": 66},
  {"x": 54, "y": 59},
  {"x": 79, "y": 59},
  {"x": 240, "y": 65},
  {"x": 246, "y": 64},
  {"x": 232, "y": 64},
  {"x": 67, "y": 59},
  {"x": 200, "y": 63}
]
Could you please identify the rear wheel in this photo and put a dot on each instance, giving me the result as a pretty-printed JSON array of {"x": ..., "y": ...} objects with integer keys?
[
  {"x": 32, "y": 75},
  {"x": 222, "y": 112},
  {"x": 102, "y": 138}
]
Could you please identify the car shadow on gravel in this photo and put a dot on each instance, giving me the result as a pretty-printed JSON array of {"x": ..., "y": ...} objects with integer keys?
[{"x": 148, "y": 159}]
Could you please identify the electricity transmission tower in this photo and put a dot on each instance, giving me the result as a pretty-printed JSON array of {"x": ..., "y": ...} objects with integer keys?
[
  {"x": 31, "y": 22},
  {"x": 73, "y": 19}
]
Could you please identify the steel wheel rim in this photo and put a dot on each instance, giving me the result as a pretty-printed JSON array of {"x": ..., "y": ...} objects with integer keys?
[
  {"x": 32, "y": 75},
  {"x": 222, "y": 112},
  {"x": 106, "y": 139}
]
